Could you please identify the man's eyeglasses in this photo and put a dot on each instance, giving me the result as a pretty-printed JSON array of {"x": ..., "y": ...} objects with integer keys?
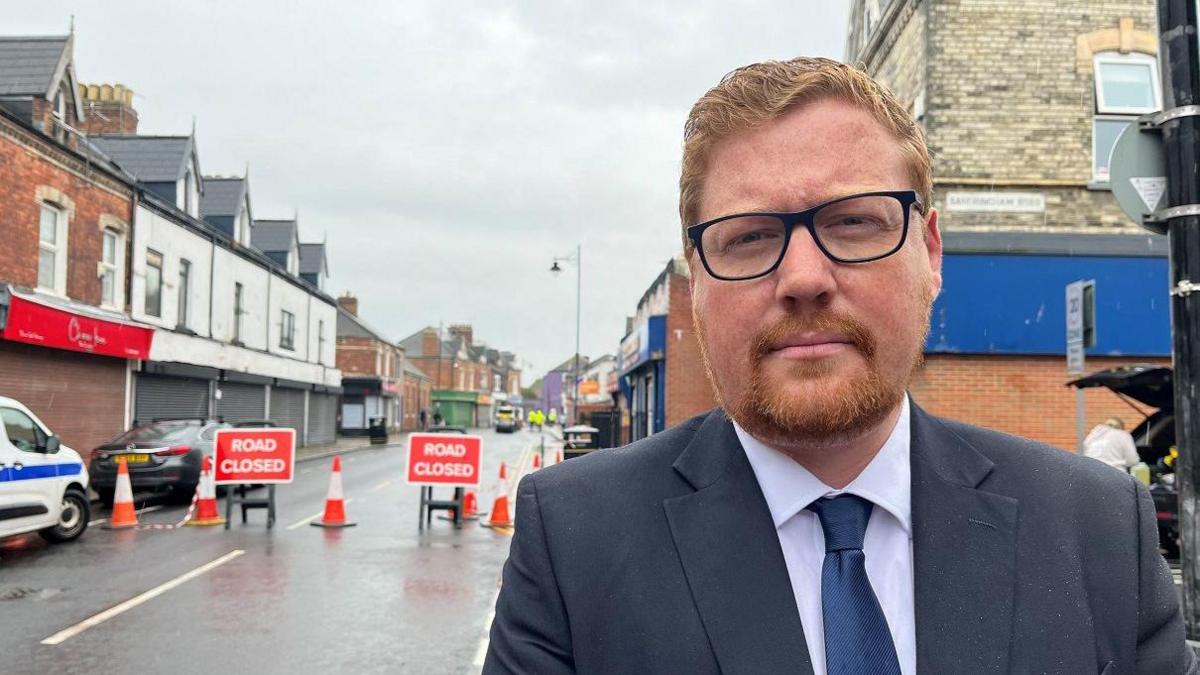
[{"x": 854, "y": 229}]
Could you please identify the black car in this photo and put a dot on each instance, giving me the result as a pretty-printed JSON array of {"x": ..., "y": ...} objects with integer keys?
[
  {"x": 162, "y": 456},
  {"x": 1154, "y": 436}
]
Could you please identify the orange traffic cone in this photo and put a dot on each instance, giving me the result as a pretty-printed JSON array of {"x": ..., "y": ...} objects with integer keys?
[
  {"x": 558, "y": 457},
  {"x": 207, "y": 512},
  {"x": 470, "y": 505},
  {"x": 335, "y": 503},
  {"x": 537, "y": 462},
  {"x": 123, "y": 514},
  {"x": 501, "y": 515}
]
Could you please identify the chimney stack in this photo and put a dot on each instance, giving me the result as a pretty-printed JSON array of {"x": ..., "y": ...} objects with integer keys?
[
  {"x": 464, "y": 331},
  {"x": 108, "y": 109},
  {"x": 429, "y": 343},
  {"x": 349, "y": 303}
]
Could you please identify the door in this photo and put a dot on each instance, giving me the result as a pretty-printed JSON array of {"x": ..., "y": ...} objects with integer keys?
[{"x": 28, "y": 478}]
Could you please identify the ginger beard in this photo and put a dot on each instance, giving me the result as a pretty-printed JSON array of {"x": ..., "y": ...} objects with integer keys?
[{"x": 830, "y": 410}]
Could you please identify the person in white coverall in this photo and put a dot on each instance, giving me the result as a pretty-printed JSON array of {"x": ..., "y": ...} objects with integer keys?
[{"x": 1111, "y": 444}]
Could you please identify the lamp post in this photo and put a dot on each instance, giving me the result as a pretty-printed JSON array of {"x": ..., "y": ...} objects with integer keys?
[{"x": 575, "y": 259}]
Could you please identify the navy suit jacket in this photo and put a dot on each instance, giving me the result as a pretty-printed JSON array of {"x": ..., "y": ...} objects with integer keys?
[{"x": 661, "y": 557}]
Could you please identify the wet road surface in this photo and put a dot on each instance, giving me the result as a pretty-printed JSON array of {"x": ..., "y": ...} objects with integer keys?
[{"x": 378, "y": 597}]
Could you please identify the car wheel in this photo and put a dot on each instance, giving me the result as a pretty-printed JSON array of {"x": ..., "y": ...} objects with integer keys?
[{"x": 76, "y": 512}]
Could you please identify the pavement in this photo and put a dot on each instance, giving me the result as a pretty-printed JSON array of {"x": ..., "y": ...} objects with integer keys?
[{"x": 382, "y": 596}]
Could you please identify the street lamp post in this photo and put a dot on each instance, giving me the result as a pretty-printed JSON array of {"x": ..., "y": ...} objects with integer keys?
[{"x": 576, "y": 259}]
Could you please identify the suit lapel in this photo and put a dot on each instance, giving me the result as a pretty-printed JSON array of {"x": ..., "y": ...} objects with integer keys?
[
  {"x": 964, "y": 554},
  {"x": 731, "y": 557}
]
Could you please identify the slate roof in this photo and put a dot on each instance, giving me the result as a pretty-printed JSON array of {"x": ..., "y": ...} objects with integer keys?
[
  {"x": 153, "y": 159},
  {"x": 28, "y": 65},
  {"x": 273, "y": 235},
  {"x": 412, "y": 345},
  {"x": 349, "y": 325},
  {"x": 222, "y": 196},
  {"x": 312, "y": 258},
  {"x": 413, "y": 370}
]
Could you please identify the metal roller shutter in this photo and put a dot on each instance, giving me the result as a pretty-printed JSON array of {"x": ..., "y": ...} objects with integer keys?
[
  {"x": 287, "y": 410},
  {"x": 241, "y": 402},
  {"x": 161, "y": 396},
  {"x": 322, "y": 418}
]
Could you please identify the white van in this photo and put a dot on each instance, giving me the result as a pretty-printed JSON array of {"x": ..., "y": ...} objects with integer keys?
[{"x": 43, "y": 483}]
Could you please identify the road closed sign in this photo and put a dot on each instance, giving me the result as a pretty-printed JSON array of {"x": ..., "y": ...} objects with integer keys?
[
  {"x": 254, "y": 456},
  {"x": 444, "y": 459}
]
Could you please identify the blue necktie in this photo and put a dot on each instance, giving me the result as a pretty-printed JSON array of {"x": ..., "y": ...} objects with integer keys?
[{"x": 857, "y": 641}]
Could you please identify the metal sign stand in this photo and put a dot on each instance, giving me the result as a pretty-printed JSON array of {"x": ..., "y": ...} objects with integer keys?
[
  {"x": 429, "y": 505},
  {"x": 236, "y": 494}
]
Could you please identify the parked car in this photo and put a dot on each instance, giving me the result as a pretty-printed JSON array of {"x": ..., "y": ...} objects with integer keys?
[
  {"x": 43, "y": 483},
  {"x": 506, "y": 419},
  {"x": 162, "y": 456},
  {"x": 1154, "y": 436}
]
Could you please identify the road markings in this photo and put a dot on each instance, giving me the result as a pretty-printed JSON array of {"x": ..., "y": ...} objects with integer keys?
[
  {"x": 380, "y": 486},
  {"x": 68, "y": 633},
  {"x": 313, "y": 517},
  {"x": 481, "y": 653},
  {"x": 148, "y": 509}
]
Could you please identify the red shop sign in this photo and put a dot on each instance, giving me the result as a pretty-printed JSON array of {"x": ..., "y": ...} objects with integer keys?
[{"x": 48, "y": 326}]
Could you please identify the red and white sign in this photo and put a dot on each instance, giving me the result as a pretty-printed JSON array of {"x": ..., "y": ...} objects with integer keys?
[
  {"x": 42, "y": 324},
  {"x": 444, "y": 459},
  {"x": 254, "y": 456}
]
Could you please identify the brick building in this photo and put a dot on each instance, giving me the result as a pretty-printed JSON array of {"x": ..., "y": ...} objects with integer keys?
[
  {"x": 372, "y": 373},
  {"x": 1021, "y": 102},
  {"x": 418, "y": 397},
  {"x": 67, "y": 344},
  {"x": 468, "y": 378},
  {"x": 662, "y": 378}
]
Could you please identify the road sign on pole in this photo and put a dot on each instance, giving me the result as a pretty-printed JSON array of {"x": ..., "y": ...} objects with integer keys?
[
  {"x": 444, "y": 459},
  {"x": 254, "y": 455},
  {"x": 1081, "y": 330}
]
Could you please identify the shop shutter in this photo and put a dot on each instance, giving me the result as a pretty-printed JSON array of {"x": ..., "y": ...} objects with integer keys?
[
  {"x": 162, "y": 396},
  {"x": 287, "y": 410},
  {"x": 322, "y": 418},
  {"x": 241, "y": 402}
]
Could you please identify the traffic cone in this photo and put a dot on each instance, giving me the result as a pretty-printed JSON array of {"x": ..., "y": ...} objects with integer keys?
[
  {"x": 123, "y": 515},
  {"x": 470, "y": 505},
  {"x": 335, "y": 503},
  {"x": 558, "y": 457},
  {"x": 207, "y": 512},
  {"x": 537, "y": 462},
  {"x": 501, "y": 515}
]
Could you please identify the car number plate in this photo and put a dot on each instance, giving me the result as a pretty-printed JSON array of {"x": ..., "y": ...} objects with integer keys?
[{"x": 130, "y": 458}]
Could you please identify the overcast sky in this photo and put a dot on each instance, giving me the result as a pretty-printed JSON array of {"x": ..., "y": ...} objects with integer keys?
[{"x": 448, "y": 151}]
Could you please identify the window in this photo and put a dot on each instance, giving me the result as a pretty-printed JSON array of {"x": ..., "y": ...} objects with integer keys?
[
  {"x": 22, "y": 432},
  {"x": 1126, "y": 86},
  {"x": 60, "y": 117},
  {"x": 287, "y": 330},
  {"x": 109, "y": 251},
  {"x": 154, "y": 278},
  {"x": 237, "y": 313},
  {"x": 185, "y": 291},
  {"x": 320, "y": 341},
  {"x": 187, "y": 192},
  {"x": 52, "y": 250}
]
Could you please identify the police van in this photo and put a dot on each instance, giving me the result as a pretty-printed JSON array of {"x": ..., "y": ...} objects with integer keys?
[{"x": 43, "y": 483}]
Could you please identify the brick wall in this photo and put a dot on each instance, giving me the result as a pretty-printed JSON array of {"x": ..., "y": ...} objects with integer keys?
[
  {"x": 688, "y": 390},
  {"x": 357, "y": 355},
  {"x": 31, "y": 167},
  {"x": 1022, "y": 395}
]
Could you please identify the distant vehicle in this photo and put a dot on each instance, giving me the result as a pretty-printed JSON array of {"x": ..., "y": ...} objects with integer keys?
[
  {"x": 506, "y": 419},
  {"x": 1154, "y": 436},
  {"x": 579, "y": 440},
  {"x": 162, "y": 456},
  {"x": 446, "y": 429},
  {"x": 43, "y": 483}
]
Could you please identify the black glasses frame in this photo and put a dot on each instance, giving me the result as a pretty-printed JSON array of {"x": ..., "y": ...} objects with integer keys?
[{"x": 807, "y": 218}]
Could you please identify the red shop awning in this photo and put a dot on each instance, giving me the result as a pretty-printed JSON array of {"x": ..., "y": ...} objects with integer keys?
[{"x": 48, "y": 325}]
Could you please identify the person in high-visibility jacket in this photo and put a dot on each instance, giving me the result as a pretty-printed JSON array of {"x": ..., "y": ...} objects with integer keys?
[{"x": 553, "y": 417}]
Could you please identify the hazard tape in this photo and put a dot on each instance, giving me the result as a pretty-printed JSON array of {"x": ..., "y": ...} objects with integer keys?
[{"x": 174, "y": 526}]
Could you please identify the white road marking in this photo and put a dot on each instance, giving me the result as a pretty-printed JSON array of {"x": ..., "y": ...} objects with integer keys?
[
  {"x": 68, "y": 633},
  {"x": 313, "y": 517},
  {"x": 380, "y": 486},
  {"x": 481, "y": 653}
]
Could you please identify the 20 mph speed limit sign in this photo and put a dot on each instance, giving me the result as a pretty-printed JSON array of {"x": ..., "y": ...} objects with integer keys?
[
  {"x": 254, "y": 456},
  {"x": 444, "y": 459}
]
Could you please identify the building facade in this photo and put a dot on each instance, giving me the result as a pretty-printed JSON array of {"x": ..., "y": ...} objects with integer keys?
[
  {"x": 372, "y": 374},
  {"x": 1021, "y": 102}
]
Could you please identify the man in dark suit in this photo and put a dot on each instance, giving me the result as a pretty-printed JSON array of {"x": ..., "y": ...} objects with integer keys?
[{"x": 819, "y": 521}]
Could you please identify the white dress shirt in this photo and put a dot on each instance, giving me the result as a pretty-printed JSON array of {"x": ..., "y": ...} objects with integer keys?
[{"x": 789, "y": 487}]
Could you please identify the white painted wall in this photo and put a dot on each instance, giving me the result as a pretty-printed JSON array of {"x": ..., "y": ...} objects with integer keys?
[{"x": 215, "y": 271}]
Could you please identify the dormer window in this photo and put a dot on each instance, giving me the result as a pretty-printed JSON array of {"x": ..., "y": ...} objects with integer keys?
[
  {"x": 187, "y": 191},
  {"x": 60, "y": 117}
]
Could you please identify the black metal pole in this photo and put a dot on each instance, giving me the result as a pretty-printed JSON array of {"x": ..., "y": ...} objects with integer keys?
[{"x": 1178, "y": 61}]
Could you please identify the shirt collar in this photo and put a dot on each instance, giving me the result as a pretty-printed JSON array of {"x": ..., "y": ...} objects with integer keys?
[{"x": 788, "y": 487}]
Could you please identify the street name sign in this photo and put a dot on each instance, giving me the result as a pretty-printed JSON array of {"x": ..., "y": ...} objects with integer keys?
[
  {"x": 265, "y": 455},
  {"x": 444, "y": 459}
]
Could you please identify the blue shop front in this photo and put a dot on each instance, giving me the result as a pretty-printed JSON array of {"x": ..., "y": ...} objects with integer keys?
[{"x": 643, "y": 376}]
